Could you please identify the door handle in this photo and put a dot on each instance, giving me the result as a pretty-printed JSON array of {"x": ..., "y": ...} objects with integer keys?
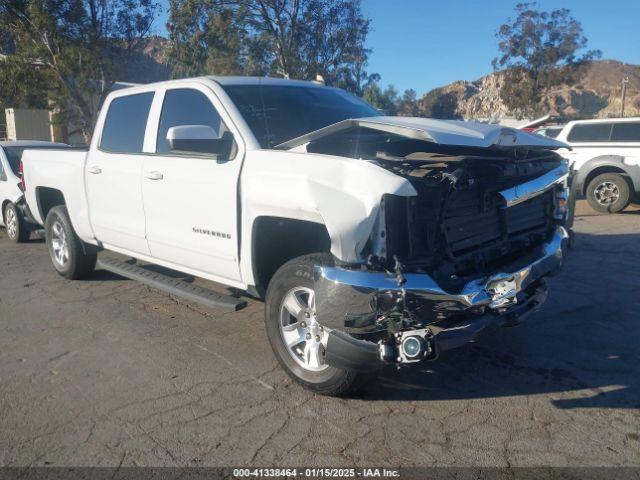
[
  {"x": 154, "y": 175},
  {"x": 95, "y": 170}
]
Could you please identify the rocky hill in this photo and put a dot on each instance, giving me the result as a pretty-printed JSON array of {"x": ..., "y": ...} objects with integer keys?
[
  {"x": 596, "y": 93},
  {"x": 149, "y": 64}
]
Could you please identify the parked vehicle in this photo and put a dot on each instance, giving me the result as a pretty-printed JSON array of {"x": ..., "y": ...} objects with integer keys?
[
  {"x": 14, "y": 215},
  {"x": 606, "y": 156},
  {"x": 373, "y": 240},
  {"x": 551, "y": 131}
]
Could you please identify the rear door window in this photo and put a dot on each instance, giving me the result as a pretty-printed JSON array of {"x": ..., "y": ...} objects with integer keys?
[
  {"x": 126, "y": 123},
  {"x": 590, "y": 133},
  {"x": 626, "y": 132}
]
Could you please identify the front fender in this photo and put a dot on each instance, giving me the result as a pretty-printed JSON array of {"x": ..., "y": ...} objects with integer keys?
[{"x": 342, "y": 193}]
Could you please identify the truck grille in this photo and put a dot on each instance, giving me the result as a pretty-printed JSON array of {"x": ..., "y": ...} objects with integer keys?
[{"x": 472, "y": 223}]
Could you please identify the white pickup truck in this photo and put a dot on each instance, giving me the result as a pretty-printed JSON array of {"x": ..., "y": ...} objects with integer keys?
[{"x": 373, "y": 240}]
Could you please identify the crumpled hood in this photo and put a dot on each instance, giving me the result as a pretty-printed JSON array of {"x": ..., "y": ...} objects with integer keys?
[{"x": 443, "y": 132}]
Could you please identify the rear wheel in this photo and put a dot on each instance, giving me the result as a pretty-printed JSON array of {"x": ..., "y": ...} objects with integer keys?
[
  {"x": 16, "y": 229},
  {"x": 608, "y": 193},
  {"x": 67, "y": 252},
  {"x": 297, "y": 339}
]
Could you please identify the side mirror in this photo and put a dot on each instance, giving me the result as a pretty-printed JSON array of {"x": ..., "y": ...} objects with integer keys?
[{"x": 200, "y": 139}]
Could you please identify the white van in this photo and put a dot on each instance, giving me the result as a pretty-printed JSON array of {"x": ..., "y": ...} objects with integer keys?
[{"x": 605, "y": 153}]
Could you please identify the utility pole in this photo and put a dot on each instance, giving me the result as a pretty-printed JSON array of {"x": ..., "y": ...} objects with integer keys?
[{"x": 625, "y": 82}]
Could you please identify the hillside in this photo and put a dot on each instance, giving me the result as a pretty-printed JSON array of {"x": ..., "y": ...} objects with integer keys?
[
  {"x": 149, "y": 64},
  {"x": 595, "y": 94}
]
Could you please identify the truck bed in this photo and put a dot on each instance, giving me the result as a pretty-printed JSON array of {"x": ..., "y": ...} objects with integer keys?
[{"x": 56, "y": 170}]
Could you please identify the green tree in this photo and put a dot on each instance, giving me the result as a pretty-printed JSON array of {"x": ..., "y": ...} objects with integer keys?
[
  {"x": 213, "y": 37},
  {"x": 385, "y": 100},
  {"x": 538, "y": 49},
  {"x": 408, "y": 104},
  {"x": 79, "y": 46},
  {"x": 332, "y": 43},
  {"x": 289, "y": 38},
  {"x": 22, "y": 87}
]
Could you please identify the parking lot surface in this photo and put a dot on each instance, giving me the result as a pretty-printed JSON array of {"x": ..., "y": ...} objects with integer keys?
[{"x": 108, "y": 372}]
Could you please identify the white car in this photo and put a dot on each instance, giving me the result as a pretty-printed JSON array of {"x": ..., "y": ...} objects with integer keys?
[
  {"x": 605, "y": 154},
  {"x": 374, "y": 240},
  {"x": 14, "y": 215}
]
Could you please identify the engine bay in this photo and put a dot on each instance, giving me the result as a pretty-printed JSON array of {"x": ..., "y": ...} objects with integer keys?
[{"x": 458, "y": 227}]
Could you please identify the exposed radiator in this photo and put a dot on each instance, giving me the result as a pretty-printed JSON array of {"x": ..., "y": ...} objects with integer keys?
[{"x": 472, "y": 223}]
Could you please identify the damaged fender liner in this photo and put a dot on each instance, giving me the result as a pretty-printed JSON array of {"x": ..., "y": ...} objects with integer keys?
[
  {"x": 349, "y": 353},
  {"x": 349, "y": 302}
]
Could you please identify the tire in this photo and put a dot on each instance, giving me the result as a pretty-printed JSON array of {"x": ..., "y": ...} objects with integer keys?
[
  {"x": 608, "y": 193},
  {"x": 66, "y": 250},
  {"x": 297, "y": 276},
  {"x": 17, "y": 230}
]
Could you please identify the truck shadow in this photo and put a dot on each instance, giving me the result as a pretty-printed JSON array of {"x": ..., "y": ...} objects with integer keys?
[{"x": 583, "y": 347}]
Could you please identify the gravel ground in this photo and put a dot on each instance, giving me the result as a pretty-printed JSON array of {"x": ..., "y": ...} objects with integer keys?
[{"x": 109, "y": 372}]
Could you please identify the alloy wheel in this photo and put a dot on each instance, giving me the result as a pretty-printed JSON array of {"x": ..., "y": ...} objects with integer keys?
[
  {"x": 607, "y": 193},
  {"x": 304, "y": 337},
  {"x": 12, "y": 222},
  {"x": 59, "y": 244}
]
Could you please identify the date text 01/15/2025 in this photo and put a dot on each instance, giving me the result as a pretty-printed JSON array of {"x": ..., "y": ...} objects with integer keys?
[{"x": 316, "y": 472}]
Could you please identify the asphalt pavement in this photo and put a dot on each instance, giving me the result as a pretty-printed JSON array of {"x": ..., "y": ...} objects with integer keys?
[{"x": 109, "y": 372}]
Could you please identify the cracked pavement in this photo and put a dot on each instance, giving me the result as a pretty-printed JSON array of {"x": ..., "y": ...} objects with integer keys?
[{"x": 107, "y": 372}]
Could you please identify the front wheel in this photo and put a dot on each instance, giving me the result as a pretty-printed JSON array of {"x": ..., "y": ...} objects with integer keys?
[
  {"x": 297, "y": 339},
  {"x": 608, "y": 193},
  {"x": 67, "y": 252},
  {"x": 16, "y": 229}
]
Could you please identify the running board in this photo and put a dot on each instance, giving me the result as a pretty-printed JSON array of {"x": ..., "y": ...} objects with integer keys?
[{"x": 173, "y": 286}]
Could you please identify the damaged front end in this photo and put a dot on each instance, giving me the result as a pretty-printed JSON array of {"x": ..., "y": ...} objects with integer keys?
[
  {"x": 473, "y": 248},
  {"x": 380, "y": 313}
]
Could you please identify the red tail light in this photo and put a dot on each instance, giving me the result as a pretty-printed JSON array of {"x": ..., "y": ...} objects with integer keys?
[{"x": 23, "y": 185}]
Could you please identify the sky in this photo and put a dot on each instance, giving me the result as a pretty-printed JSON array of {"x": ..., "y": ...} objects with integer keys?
[{"x": 423, "y": 44}]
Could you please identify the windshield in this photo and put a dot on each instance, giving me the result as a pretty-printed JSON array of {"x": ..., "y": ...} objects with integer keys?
[
  {"x": 13, "y": 154},
  {"x": 552, "y": 132},
  {"x": 277, "y": 113}
]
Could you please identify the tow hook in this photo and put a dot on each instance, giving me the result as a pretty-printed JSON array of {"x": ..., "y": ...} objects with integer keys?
[{"x": 407, "y": 347}]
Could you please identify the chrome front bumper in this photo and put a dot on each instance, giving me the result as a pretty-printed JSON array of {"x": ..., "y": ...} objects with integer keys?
[{"x": 354, "y": 301}]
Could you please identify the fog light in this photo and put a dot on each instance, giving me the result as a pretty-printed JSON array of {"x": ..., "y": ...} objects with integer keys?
[{"x": 412, "y": 347}]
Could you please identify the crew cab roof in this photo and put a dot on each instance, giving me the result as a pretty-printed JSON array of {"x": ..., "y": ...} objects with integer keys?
[
  {"x": 444, "y": 132},
  {"x": 231, "y": 80}
]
